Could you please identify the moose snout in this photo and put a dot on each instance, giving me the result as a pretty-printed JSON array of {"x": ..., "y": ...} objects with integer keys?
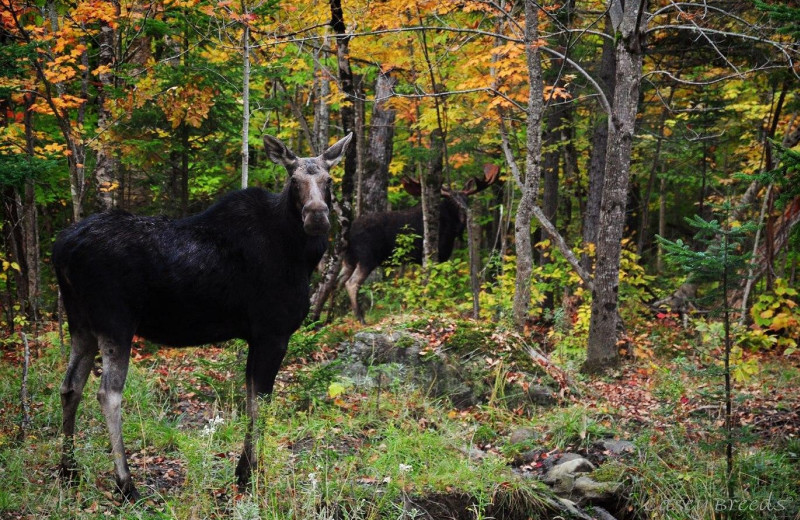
[{"x": 315, "y": 218}]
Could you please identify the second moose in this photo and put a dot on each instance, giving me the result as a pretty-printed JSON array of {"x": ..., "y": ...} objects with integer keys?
[{"x": 373, "y": 236}]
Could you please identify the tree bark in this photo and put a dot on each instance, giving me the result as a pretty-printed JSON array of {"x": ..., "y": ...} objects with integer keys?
[
  {"x": 530, "y": 185},
  {"x": 474, "y": 239},
  {"x": 431, "y": 197},
  {"x": 379, "y": 155},
  {"x": 347, "y": 110},
  {"x": 602, "y": 350},
  {"x": 597, "y": 160},
  {"x": 322, "y": 89},
  {"x": 343, "y": 209},
  {"x": 552, "y": 160},
  {"x": 245, "y": 98},
  {"x": 107, "y": 167},
  {"x": 30, "y": 226}
]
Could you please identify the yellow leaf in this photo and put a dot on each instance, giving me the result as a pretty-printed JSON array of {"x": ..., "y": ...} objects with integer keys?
[{"x": 335, "y": 389}]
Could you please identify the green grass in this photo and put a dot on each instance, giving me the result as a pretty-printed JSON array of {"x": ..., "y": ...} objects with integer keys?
[
  {"x": 364, "y": 454},
  {"x": 352, "y": 458}
]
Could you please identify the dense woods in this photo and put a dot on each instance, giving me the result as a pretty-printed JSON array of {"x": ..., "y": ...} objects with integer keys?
[{"x": 648, "y": 153}]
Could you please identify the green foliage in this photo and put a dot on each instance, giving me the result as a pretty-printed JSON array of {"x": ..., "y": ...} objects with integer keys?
[
  {"x": 786, "y": 177},
  {"x": 721, "y": 254},
  {"x": 675, "y": 480},
  {"x": 785, "y": 14},
  {"x": 446, "y": 286},
  {"x": 16, "y": 169},
  {"x": 776, "y": 318},
  {"x": 576, "y": 426}
]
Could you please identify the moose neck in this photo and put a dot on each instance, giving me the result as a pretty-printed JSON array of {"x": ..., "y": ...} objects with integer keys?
[{"x": 313, "y": 247}]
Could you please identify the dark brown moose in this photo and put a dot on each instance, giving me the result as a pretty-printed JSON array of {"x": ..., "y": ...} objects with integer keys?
[
  {"x": 240, "y": 269},
  {"x": 373, "y": 236}
]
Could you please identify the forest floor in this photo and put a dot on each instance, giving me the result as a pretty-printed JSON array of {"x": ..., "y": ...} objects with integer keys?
[{"x": 331, "y": 450}]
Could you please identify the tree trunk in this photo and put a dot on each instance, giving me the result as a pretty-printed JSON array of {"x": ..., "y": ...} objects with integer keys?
[
  {"x": 15, "y": 241},
  {"x": 106, "y": 169},
  {"x": 184, "y": 168},
  {"x": 322, "y": 89},
  {"x": 474, "y": 239},
  {"x": 245, "y": 98},
  {"x": 431, "y": 197},
  {"x": 662, "y": 223},
  {"x": 656, "y": 168},
  {"x": 347, "y": 110},
  {"x": 602, "y": 350},
  {"x": 552, "y": 159},
  {"x": 530, "y": 185},
  {"x": 379, "y": 155},
  {"x": 360, "y": 124},
  {"x": 597, "y": 160},
  {"x": 30, "y": 226},
  {"x": 343, "y": 208}
]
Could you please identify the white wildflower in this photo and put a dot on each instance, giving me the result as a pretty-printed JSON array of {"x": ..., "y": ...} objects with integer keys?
[{"x": 211, "y": 427}]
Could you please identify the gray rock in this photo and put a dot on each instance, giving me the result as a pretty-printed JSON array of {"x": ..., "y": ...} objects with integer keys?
[
  {"x": 561, "y": 478},
  {"x": 567, "y": 457},
  {"x": 542, "y": 395},
  {"x": 589, "y": 489},
  {"x": 521, "y": 435},
  {"x": 598, "y": 513},
  {"x": 572, "y": 508},
  {"x": 618, "y": 447},
  {"x": 379, "y": 359}
]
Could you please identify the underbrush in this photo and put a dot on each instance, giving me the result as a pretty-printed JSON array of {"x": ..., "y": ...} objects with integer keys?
[{"x": 333, "y": 450}]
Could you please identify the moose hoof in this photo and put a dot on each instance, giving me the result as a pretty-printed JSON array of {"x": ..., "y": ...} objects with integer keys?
[
  {"x": 129, "y": 491},
  {"x": 68, "y": 471},
  {"x": 243, "y": 474}
]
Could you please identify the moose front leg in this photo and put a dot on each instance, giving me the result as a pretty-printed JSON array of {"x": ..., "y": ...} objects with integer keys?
[{"x": 263, "y": 362}]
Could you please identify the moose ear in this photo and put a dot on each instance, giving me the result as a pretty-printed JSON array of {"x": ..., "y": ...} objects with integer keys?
[
  {"x": 334, "y": 154},
  {"x": 278, "y": 152}
]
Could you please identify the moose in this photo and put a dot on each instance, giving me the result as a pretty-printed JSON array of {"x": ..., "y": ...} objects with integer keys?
[
  {"x": 373, "y": 236},
  {"x": 240, "y": 269}
]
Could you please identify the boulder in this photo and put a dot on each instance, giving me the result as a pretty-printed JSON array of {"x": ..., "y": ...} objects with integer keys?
[
  {"x": 521, "y": 435},
  {"x": 561, "y": 477},
  {"x": 617, "y": 447},
  {"x": 383, "y": 359}
]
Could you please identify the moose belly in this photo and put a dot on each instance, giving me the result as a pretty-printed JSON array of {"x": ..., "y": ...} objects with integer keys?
[{"x": 188, "y": 323}]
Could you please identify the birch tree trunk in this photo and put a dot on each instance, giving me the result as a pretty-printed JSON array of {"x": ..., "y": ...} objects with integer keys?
[
  {"x": 322, "y": 89},
  {"x": 245, "y": 97},
  {"x": 431, "y": 197},
  {"x": 30, "y": 226},
  {"x": 602, "y": 350},
  {"x": 530, "y": 186}
]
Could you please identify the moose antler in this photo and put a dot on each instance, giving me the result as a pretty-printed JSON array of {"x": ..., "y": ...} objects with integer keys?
[
  {"x": 491, "y": 172},
  {"x": 412, "y": 186}
]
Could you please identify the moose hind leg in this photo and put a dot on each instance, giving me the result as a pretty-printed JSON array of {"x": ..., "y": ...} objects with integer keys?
[
  {"x": 116, "y": 356},
  {"x": 352, "y": 285},
  {"x": 81, "y": 360}
]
